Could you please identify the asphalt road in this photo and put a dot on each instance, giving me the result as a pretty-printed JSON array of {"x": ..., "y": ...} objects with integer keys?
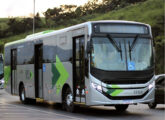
[{"x": 12, "y": 109}]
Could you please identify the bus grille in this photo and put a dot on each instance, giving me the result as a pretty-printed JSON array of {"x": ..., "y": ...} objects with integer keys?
[
  {"x": 124, "y": 97},
  {"x": 126, "y": 81}
]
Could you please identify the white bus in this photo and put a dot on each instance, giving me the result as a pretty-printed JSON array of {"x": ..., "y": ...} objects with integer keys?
[{"x": 107, "y": 63}]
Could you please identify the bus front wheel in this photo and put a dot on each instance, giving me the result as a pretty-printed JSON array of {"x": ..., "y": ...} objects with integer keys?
[
  {"x": 68, "y": 101},
  {"x": 121, "y": 108},
  {"x": 152, "y": 105}
]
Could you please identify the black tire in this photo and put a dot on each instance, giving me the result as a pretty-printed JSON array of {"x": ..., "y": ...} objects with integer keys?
[
  {"x": 68, "y": 104},
  {"x": 121, "y": 108},
  {"x": 152, "y": 105},
  {"x": 22, "y": 95},
  {"x": 23, "y": 98},
  {"x": 31, "y": 101}
]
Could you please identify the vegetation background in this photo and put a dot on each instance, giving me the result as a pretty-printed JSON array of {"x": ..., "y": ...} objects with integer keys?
[{"x": 146, "y": 11}]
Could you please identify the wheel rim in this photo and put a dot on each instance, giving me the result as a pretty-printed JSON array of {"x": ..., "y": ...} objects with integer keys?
[
  {"x": 23, "y": 95},
  {"x": 69, "y": 99}
]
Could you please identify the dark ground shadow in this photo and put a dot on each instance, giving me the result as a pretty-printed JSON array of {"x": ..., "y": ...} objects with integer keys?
[
  {"x": 160, "y": 108},
  {"x": 87, "y": 112}
]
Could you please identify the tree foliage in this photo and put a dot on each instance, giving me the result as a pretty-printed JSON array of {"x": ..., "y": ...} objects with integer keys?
[
  {"x": 64, "y": 13},
  {"x": 16, "y": 26}
]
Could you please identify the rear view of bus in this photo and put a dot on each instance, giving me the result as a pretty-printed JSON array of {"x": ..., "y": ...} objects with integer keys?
[{"x": 121, "y": 64}]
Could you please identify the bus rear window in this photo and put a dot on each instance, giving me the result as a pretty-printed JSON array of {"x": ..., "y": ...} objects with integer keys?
[{"x": 121, "y": 28}]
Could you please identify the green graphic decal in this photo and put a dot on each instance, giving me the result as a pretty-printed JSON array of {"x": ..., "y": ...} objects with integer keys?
[
  {"x": 114, "y": 90},
  {"x": 7, "y": 72},
  {"x": 56, "y": 75},
  {"x": 110, "y": 91},
  {"x": 60, "y": 75},
  {"x": 31, "y": 75}
]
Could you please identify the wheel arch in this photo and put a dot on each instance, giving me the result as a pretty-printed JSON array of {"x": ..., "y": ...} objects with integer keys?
[
  {"x": 64, "y": 89},
  {"x": 20, "y": 84}
]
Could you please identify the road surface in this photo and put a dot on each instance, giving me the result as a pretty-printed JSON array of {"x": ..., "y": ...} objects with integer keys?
[{"x": 12, "y": 109}]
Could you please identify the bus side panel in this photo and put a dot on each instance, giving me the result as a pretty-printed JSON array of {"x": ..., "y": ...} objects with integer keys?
[
  {"x": 65, "y": 78},
  {"x": 49, "y": 57},
  {"x": 57, "y": 69},
  {"x": 54, "y": 79},
  {"x": 25, "y": 68},
  {"x": 47, "y": 82},
  {"x": 64, "y": 63},
  {"x": 25, "y": 74}
]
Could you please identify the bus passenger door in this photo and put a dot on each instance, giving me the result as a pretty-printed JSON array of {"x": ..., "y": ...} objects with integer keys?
[
  {"x": 13, "y": 71},
  {"x": 79, "y": 69},
  {"x": 38, "y": 71}
]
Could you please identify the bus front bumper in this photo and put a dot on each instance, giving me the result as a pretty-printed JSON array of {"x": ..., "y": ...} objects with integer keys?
[{"x": 98, "y": 98}]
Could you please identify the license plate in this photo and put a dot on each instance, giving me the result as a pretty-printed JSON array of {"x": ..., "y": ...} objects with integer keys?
[
  {"x": 127, "y": 101},
  {"x": 138, "y": 92}
]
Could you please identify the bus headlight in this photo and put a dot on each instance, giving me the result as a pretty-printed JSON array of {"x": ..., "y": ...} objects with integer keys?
[
  {"x": 97, "y": 87},
  {"x": 151, "y": 85},
  {"x": 2, "y": 81}
]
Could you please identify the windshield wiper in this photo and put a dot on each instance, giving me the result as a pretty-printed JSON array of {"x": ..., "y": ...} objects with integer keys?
[
  {"x": 118, "y": 48},
  {"x": 132, "y": 46},
  {"x": 134, "y": 42}
]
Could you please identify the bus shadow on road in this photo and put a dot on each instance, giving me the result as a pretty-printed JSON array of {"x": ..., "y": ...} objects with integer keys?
[
  {"x": 107, "y": 112},
  {"x": 98, "y": 112},
  {"x": 160, "y": 108}
]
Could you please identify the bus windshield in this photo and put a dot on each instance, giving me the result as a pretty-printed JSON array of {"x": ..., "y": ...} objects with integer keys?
[{"x": 121, "y": 54}]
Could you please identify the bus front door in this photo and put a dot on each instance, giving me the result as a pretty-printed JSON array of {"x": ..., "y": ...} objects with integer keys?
[
  {"x": 38, "y": 71},
  {"x": 79, "y": 69},
  {"x": 13, "y": 71}
]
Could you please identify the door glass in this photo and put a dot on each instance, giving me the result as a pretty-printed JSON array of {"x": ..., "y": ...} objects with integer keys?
[{"x": 80, "y": 66}]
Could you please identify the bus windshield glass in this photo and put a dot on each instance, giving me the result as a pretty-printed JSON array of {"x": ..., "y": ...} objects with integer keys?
[{"x": 121, "y": 54}]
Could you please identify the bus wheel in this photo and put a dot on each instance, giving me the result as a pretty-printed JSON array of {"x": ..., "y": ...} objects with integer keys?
[
  {"x": 152, "y": 105},
  {"x": 22, "y": 95},
  {"x": 121, "y": 108},
  {"x": 68, "y": 101}
]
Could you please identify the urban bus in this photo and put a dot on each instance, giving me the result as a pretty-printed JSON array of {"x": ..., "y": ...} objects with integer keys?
[{"x": 108, "y": 63}]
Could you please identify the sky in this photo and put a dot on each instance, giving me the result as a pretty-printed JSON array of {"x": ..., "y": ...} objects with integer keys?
[{"x": 17, "y": 8}]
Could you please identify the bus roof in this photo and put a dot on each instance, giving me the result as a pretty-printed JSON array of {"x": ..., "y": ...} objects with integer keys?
[{"x": 54, "y": 32}]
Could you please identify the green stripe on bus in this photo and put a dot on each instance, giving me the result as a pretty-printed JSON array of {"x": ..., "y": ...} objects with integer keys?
[
  {"x": 114, "y": 90},
  {"x": 47, "y": 31},
  {"x": 7, "y": 72}
]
